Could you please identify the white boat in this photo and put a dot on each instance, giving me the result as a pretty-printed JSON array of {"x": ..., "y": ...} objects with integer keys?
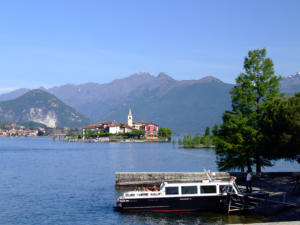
[{"x": 208, "y": 195}]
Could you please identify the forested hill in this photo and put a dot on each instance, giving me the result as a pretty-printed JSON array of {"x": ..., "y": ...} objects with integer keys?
[{"x": 41, "y": 107}]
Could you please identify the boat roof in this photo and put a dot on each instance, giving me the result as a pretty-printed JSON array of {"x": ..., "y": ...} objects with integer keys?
[{"x": 199, "y": 182}]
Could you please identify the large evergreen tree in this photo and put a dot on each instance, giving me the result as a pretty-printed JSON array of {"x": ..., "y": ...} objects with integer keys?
[
  {"x": 240, "y": 134},
  {"x": 281, "y": 128}
]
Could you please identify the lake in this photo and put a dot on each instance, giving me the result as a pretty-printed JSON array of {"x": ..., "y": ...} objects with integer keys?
[{"x": 46, "y": 182}]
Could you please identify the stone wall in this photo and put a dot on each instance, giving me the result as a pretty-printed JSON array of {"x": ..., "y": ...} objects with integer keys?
[{"x": 134, "y": 179}]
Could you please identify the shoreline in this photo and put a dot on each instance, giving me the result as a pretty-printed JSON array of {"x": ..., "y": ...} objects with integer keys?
[
  {"x": 196, "y": 146},
  {"x": 113, "y": 140}
]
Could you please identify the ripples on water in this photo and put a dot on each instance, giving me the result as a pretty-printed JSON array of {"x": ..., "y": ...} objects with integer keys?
[{"x": 45, "y": 182}]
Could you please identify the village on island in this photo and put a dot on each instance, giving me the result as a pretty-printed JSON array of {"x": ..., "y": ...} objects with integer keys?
[{"x": 132, "y": 131}]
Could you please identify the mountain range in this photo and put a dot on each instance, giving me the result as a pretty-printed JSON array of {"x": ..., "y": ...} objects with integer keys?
[
  {"x": 290, "y": 84},
  {"x": 186, "y": 106}
]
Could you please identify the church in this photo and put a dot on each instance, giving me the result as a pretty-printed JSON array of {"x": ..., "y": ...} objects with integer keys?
[{"x": 151, "y": 129}]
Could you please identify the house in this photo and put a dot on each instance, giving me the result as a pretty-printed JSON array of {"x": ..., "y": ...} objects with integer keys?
[
  {"x": 137, "y": 125},
  {"x": 113, "y": 128},
  {"x": 151, "y": 129},
  {"x": 94, "y": 128}
]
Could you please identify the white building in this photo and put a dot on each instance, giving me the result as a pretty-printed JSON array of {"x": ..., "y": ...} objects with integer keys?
[{"x": 114, "y": 128}]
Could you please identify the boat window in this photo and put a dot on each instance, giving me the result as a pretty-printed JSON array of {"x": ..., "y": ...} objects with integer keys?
[
  {"x": 211, "y": 189},
  {"x": 185, "y": 190},
  {"x": 225, "y": 188},
  {"x": 171, "y": 190}
]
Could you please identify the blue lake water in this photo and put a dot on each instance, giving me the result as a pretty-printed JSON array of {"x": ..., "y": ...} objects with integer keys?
[{"x": 46, "y": 182}]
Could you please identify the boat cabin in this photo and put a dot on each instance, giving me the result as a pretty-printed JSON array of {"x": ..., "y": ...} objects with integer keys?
[{"x": 204, "y": 188}]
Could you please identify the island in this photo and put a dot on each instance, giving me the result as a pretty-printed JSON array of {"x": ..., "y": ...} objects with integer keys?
[{"x": 112, "y": 131}]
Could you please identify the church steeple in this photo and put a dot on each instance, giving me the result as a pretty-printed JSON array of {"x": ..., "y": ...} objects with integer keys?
[{"x": 130, "y": 118}]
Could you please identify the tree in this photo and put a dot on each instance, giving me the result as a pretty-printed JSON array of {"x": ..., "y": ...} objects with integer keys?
[
  {"x": 135, "y": 133},
  {"x": 179, "y": 142},
  {"x": 165, "y": 133},
  {"x": 207, "y": 131},
  {"x": 233, "y": 142},
  {"x": 188, "y": 140},
  {"x": 281, "y": 128},
  {"x": 253, "y": 90},
  {"x": 215, "y": 130}
]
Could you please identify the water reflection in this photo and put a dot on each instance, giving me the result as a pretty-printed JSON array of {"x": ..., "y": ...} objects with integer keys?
[{"x": 186, "y": 218}]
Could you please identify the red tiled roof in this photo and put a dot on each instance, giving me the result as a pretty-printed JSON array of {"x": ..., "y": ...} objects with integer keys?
[
  {"x": 148, "y": 123},
  {"x": 113, "y": 124},
  {"x": 92, "y": 126},
  {"x": 106, "y": 122}
]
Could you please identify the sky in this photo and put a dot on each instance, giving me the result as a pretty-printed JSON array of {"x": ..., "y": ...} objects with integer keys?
[{"x": 51, "y": 43}]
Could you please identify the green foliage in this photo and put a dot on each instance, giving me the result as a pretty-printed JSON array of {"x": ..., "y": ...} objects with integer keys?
[
  {"x": 233, "y": 143},
  {"x": 179, "y": 141},
  {"x": 239, "y": 141},
  {"x": 215, "y": 130},
  {"x": 281, "y": 128},
  {"x": 33, "y": 125},
  {"x": 190, "y": 141},
  {"x": 207, "y": 131},
  {"x": 165, "y": 133},
  {"x": 135, "y": 134},
  {"x": 139, "y": 134}
]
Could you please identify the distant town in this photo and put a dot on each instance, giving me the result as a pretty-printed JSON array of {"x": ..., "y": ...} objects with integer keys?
[{"x": 16, "y": 130}]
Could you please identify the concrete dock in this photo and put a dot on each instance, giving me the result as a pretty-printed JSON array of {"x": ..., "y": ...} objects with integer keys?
[{"x": 134, "y": 179}]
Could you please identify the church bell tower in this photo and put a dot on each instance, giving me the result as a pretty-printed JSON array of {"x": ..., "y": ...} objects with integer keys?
[{"x": 129, "y": 118}]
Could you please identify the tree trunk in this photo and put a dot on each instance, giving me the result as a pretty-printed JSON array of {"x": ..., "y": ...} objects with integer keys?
[
  {"x": 258, "y": 164},
  {"x": 248, "y": 161}
]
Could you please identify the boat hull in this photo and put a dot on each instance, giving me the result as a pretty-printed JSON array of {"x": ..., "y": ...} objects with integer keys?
[{"x": 173, "y": 204}]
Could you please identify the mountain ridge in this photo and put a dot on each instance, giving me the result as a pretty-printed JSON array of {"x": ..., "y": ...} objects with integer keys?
[{"x": 186, "y": 102}]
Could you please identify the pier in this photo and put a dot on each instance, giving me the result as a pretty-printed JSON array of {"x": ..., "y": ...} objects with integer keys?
[{"x": 126, "y": 180}]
